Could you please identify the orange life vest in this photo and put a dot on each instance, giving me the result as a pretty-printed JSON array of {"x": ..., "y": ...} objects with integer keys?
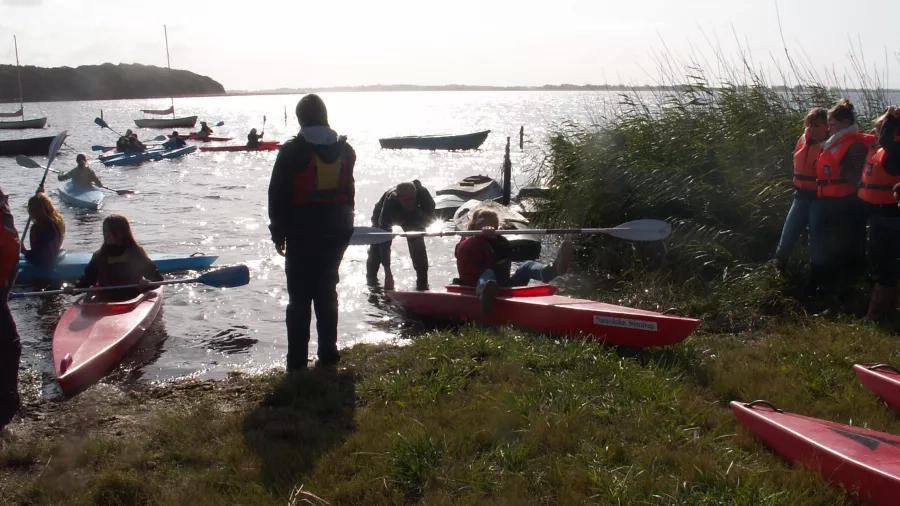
[
  {"x": 877, "y": 186},
  {"x": 323, "y": 182},
  {"x": 805, "y": 156},
  {"x": 829, "y": 180}
]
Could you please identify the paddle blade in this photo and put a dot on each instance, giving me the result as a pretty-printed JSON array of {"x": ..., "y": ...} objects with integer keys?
[
  {"x": 101, "y": 123},
  {"x": 642, "y": 230},
  {"x": 26, "y": 162},
  {"x": 159, "y": 138},
  {"x": 221, "y": 123},
  {"x": 55, "y": 145},
  {"x": 124, "y": 192},
  {"x": 96, "y": 147},
  {"x": 367, "y": 236},
  {"x": 228, "y": 277}
]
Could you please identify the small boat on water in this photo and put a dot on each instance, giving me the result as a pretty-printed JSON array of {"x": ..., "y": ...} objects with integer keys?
[
  {"x": 537, "y": 308},
  {"x": 121, "y": 159},
  {"x": 173, "y": 122},
  {"x": 524, "y": 247},
  {"x": 23, "y": 123},
  {"x": 433, "y": 142},
  {"x": 35, "y": 146},
  {"x": 93, "y": 336},
  {"x": 451, "y": 198},
  {"x": 71, "y": 194}
]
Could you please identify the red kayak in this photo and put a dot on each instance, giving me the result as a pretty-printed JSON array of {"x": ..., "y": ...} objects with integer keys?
[
  {"x": 538, "y": 309},
  {"x": 92, "y": 337},
  {"x": 263, "y": 146},
  {"x": 865, "y": 462},
  {"x": 883, "y": 380},
  {"x": 193, "y": 137}
]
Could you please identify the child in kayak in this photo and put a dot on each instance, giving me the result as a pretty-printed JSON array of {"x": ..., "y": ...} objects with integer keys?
[
  {"x": 175, "y": 141},
  {"x": 253, "y": 138},
  {"x": 120, "y": 261},
  {"x": 10, "y": 345},
  {"x": 82, "y": 175},
  {"x": 483, "y": 261},
  {"x": 47, "y": 232}
]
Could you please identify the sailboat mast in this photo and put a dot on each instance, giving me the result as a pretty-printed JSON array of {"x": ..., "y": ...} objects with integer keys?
[
  {"x": 19, "y": 75},
  {"x": 169, "y": 65}
]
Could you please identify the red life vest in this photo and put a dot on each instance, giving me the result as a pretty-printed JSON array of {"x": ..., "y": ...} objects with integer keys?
[
  {"x": 322, "y": 182},
  {"x": 877, "y": 186},
  {"x": 805, "y": 156},
  {"x": 829, "y": 180}
]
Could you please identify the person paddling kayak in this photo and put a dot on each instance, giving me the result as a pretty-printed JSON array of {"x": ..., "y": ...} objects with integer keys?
[
  {"x": 483, "y": 261},
  {"x": 175, "y": 141},
  {"x": 311, "y": 202},
  {"x": 120, "y": 261},
  {"x": 10, "y": 346},
  {"x": 82, "y": 176},
  {"x": 410, "y": 206},
  {"x": 204, "y": 131},
  {"x": 129, "y": 143},
  {"x": 253, "y": 138},
  {"x": 47, "y": 232}
]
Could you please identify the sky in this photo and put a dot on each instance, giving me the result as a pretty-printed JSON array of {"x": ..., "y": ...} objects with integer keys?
[{"x": 297, "y": 44}]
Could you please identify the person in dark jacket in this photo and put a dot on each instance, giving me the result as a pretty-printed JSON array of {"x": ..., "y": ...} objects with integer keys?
[
  {"x": 254, "y": 138},
  {"x": 175, "y": 141},
  {"x": 10, "y": 346},
  {"x": 48, "y": 230},
  {"x": 119, "y": 261},
  {"x": 410, "y": 206},
  {"x": 311, "y": 206},
  {"x": 483, "y": 261}
]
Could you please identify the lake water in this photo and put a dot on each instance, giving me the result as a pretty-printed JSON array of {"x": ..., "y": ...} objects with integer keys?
[{"x": 216, "y": 203}]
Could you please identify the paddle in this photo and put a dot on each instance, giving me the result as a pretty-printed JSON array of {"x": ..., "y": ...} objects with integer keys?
[
  {"x": 228, "y": 277},
  {"x": 24, "y": 161},
  {"x": 638, "y": 230},
  {"x": 51, "y": 155}
]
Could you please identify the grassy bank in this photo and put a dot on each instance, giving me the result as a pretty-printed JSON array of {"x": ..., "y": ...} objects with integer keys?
[{"x": 466, "y": 418}]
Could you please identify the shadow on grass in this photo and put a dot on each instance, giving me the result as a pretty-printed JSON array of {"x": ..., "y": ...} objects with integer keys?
[{"x": 302, "y": 418}]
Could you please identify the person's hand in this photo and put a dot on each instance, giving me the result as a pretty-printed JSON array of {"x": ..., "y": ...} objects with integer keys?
[
  {"x": 280, "y": 247},
  {"x": 489, "y": 232},
  {"x": 143, "y": 285},
  {"x": 68, "y": 289},
  {"x": 40, "y": 189}
]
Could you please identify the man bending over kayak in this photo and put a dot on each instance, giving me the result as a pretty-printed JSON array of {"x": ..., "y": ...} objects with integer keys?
[
  {"x": 82, "y": 176},
  {"x": 10, "y": 346},
  {"x": 410, "y": 206},
  {"x": 483, "y": 261}
]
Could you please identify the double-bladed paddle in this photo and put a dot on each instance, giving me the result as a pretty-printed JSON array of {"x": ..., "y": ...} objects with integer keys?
[
  {"x": 228, "y": 277},
  {"x": 24, "y": 161},
  {"x": 637, "y": 230}
]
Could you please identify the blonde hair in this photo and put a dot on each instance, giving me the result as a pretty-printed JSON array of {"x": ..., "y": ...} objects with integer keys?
[
  {"x": 477, "y": 215},
  {"x": 42, "y": 210}
]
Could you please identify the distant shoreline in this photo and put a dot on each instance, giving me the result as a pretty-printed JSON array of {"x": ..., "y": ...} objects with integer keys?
[{"x": 456, "y": 87}]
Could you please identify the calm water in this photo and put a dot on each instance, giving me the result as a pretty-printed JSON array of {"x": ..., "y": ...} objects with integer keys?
[{"x": 216, "y": 203}]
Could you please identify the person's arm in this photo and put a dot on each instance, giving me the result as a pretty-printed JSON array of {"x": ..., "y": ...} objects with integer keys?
[
  {"x": 376, "y": 213},
  {"x": 853, "y": 162},
  {"x": 148, "y": 269},
  {"x": 89, "y": 278},
  {"x": 887, "y": 139},
  {"x": 279, "y": 196},
  {"x": 94, "y": 179},
  {"x": 351, "y": 190},
  {"x": 66, "y": 176},
  {"x": 427, "y": 203}
]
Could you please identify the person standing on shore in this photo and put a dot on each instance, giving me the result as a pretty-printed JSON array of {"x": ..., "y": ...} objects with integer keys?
[
  {"x": 806, "y": 206},
  {"x": 410, "y": 206},
  {"x": 311, "y": 206},
  {"x": 10, "y": 346}
]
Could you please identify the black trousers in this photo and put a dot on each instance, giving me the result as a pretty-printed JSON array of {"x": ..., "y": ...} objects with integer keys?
[
  {"x": 379, "y": 254},
  {"x": 312, "y": 268},
  {"x": 10, "y": 354},
  {"x": 884, "y": 249}
]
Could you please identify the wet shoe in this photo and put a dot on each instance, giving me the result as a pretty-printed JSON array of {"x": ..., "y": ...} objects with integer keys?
[
  {"x": 563, "y": 258},
  {"x": 488, "y": 294}
]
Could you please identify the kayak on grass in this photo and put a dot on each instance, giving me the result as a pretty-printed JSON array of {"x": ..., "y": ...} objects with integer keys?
[
  {"x": 76, "y": 196},
  {"x": 539, "y": 309},
  {"x": 92, "y": 337},
  {"x": 263, "y": 146},
  {"x": 71, "y": 266},
  {"x": 882, "y": 380},
  {"x": 864, "y": 461}
]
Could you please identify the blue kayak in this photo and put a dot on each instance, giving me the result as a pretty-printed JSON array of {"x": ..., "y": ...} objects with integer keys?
[
  {"x": 175, "y": 153},
  {"x": 72, "y": 266},
  {"x": 75, "y": 196},
  {"x": 145, "y": 156}
]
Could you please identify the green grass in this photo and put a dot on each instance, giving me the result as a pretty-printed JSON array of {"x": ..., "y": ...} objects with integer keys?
[{"x": 475, "y": 417}]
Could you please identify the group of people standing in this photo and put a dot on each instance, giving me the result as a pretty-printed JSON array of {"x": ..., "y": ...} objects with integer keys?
[{"x": 845, "y": 179}]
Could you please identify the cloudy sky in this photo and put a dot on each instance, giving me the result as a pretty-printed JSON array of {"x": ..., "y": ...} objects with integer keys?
[{"x": 295, "y": 43}]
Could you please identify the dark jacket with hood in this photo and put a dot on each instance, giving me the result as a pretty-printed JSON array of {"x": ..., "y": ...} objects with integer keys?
[{"x": 323, "y": 219}]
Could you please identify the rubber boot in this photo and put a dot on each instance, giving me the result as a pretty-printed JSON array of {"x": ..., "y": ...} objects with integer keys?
[{"x": 882, "y": 304}]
